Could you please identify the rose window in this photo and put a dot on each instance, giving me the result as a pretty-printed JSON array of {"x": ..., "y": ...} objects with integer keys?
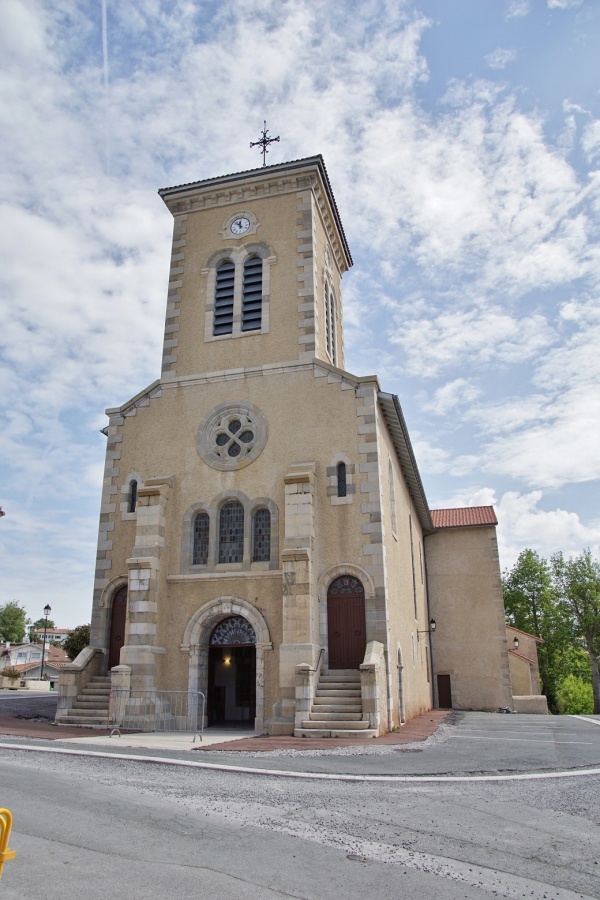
[{"x": 232, "y": 435}]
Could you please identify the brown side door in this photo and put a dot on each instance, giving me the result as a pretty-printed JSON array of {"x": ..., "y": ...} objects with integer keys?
[
  {"x": 346, "y": 626},
  {"x": 444, "y": 692},
  {"x": 118, "y": 618}
]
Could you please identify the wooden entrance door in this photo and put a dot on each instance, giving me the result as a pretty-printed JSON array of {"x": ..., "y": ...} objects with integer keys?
[
  {"x": 346, "y": 627},
  {"x": 118, "y": 618},
  {"x": 444, "y": 692}
]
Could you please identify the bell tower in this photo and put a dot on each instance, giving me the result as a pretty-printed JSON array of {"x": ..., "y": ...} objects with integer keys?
[{"x": 256, "y": 268}]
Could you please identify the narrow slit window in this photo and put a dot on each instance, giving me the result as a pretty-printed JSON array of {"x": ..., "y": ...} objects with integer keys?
[
  {"x": 341, "y": 479},
  {"x": 231, "y": 532},
  {"x": 132, "y": 496},
  {"x": 223, "y": 316},
  {"x": 261, "y": 535},
  {"x": 201, "y": 525},
  {"x": 252, "y": 294}
]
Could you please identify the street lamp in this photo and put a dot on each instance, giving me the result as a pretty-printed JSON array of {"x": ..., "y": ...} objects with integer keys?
[
  {"x": 47, "y": 611},
  {"x": 429, "y": 630}
]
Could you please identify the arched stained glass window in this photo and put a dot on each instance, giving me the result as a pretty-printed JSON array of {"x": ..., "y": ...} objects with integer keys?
[
  {"x": 132, "y": 496},
  {"x": 341, "y": 479},
  {"x": 200, "y": 552},
  {"x": 223, "y": 315},
  {"x": 231, "y": 532},
  {"x": 261, "y": 535},
  {"x": 252, "y": 294},
  {"x": 233, "y": 631}
]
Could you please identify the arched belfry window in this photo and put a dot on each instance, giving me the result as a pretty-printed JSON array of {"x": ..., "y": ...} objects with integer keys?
[
  {"x": 231, "y": 532},
  {"x": 223, "y": 318},
  {"x": 132, "y": 496},
  {"x": 261, "y": 535},
  {"x": 201, "y": 529},
  {"x": 252, "y": 294},
  {"x": 341, "y": 479}
]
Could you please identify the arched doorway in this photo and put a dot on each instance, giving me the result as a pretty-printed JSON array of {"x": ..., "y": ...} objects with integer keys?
[
  {"x": 118, "y": 617},
  {"x": 231, "y": 692},
  {"x": 346, "y": 626}
]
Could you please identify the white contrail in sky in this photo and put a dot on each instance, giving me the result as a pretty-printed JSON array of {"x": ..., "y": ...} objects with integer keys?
[{"x": 105, "y": 72}]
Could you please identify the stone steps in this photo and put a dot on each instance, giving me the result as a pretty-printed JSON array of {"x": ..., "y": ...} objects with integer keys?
[
  {"x": 336, "y": 710},
  {"x": 90, "y": 707}
]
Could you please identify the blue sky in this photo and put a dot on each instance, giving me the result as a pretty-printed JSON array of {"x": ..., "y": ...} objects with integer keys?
[{"x": 462, "y": 138}]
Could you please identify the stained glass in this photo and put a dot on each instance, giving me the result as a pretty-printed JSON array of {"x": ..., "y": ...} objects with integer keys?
[
  {"x": 346, "y": 584},
  {"x": 231, "y": 532},
  {"x": 261, "y": 535},
  {"x": 233, "y": 631},
  {"x": 200, "y": 554}
]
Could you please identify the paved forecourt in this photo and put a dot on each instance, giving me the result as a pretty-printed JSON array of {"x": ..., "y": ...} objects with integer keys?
[{"x": 464, "y": 744}]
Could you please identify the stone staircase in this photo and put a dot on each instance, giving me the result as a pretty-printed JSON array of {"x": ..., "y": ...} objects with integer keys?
[
  {"x": 91, "y": 706},
  {"x": 337, "y": 710}
]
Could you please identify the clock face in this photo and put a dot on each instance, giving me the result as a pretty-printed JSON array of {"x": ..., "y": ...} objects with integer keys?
[{"x": 240, "y": 225}]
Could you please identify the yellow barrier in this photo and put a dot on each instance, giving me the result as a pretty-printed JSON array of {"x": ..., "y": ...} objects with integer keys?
[{"x": 5, "y": 826}]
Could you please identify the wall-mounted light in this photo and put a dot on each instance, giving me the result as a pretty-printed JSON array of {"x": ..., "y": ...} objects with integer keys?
[
  {"x": 430, "y": 630},
  {"x": 227, "y": 661},
  {"x": 516, "y": 643}
]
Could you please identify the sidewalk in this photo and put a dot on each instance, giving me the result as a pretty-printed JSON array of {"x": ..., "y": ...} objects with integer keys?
[{"x": 225, "y": 739}]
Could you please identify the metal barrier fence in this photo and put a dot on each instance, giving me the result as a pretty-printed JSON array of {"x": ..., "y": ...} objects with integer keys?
[{"x": 156, "y": 711}]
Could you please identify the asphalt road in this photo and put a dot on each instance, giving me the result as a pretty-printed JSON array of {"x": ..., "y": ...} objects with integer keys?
[{"x": 97, "y": 828}]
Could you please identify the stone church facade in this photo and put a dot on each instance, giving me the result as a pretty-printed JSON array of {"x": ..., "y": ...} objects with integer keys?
[{"x": 264, "y": 533}]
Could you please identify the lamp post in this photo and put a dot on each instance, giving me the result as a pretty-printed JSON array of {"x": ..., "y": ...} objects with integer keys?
[
  {"x": 429, "y": 630},
  {"x": 47, "y": 611}
]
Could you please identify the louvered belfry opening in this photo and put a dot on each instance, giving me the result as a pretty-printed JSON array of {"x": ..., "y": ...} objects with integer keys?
[
  {"x": 252, "y": 294},
  {"x": 223, "y": 321}
]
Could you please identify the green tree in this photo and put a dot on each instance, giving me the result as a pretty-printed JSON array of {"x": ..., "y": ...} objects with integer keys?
[
  {"x": 77, "y": 640},
  {"x": 531, "y": 604},
  {"x": 577, "y": 581},
  {"x": 13, "y": 622},
  {"x": 38, "y": 625},
  {"x": 575, "y": 696}
]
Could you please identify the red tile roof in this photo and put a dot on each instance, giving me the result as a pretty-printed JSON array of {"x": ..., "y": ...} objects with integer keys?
[{"x": 463, "y": 516}]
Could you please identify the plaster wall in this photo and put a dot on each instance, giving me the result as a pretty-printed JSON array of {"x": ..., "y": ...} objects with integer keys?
[
  {"x": 402, "y": 565},
  {"x": 465, "y": 595}
]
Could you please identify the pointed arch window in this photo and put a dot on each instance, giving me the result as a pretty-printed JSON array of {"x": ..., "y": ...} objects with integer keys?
[
  {"x": 231, "y": 532},
  {"x": 261, "y": 535},
  {"x": 132, "y": 496},
  {"x": 223, "y": 316},
  {"x": 201, "y": 529},
  {"x": 252, "y": 294}
]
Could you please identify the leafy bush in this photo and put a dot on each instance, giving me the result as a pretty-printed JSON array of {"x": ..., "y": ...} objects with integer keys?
[
  {"x": 575, "y": 696},
  {"x": 10, "y": 672}
]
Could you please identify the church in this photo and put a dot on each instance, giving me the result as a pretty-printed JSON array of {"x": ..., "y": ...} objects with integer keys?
[{"x": 265, "y": 537}]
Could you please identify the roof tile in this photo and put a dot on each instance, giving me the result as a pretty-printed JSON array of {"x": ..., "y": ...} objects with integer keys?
[{"x": 464, "y": 516}]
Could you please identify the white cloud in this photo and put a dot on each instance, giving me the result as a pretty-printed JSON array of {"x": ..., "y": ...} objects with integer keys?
[
  {"x": 467, "y": 337},
  {"x": 563, "y": 4},
  {"x": 516, "y": 9},
  {"x": 459, "y": 392},
  {"x": 500, "y": 58}
]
